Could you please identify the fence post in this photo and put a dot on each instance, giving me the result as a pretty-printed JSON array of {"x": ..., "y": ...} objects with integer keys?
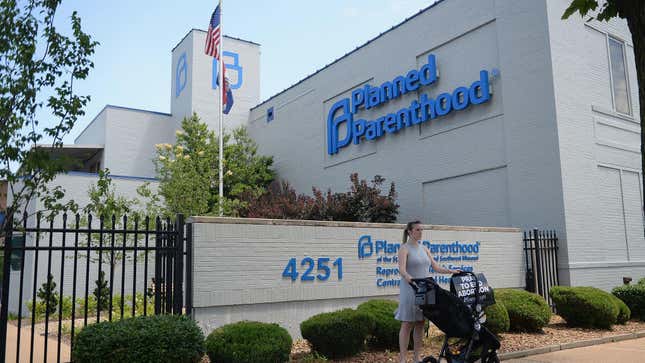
[
  {"x": 538, "y": 262},
  {"x": 157, "y": 279},
  {"x": 4, "y": 308},
  {"x": 189, "y": 269},
  {"x": 179, "y": 265},
  {"x": 528, "y": 276}
]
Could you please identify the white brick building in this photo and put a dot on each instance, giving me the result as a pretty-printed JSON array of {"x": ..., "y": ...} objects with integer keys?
[{"x": 556, "y": 145}]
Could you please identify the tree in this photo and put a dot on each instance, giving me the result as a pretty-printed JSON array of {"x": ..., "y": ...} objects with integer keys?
[
  {"x": 38, "y": 70},
  {"x": 188, "y": 171},
  {"x": 634, "y": 12},
  {"x": 117, "y": 211}
]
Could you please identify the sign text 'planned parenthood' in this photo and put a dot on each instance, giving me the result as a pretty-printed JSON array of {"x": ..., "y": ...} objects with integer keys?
[
  {"x": 341, "y": 114},
  {"x": 453, "y": 255}
]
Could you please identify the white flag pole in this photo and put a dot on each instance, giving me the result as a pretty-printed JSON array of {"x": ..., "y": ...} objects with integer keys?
[{"x": 220, "y": 76}]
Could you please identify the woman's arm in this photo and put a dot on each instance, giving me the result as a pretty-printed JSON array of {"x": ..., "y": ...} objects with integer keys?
[
  {"x": 403, "y": 261},
  {"x": 436, "y": 267}
]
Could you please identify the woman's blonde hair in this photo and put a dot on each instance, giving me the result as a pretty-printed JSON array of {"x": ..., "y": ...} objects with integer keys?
[{"x": 408, "y": 228}]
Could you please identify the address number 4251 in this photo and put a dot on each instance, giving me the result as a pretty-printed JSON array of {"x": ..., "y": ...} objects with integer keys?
[{"x": 323, "y": 269}]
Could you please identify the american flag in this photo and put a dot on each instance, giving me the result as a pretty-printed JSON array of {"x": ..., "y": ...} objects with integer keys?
[{"x": 213, "y": 38}]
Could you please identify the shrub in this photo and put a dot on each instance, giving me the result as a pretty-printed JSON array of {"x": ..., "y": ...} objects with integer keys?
[
  {"x": 101, "y": 292},
  {"x": 161, "y": 338},
  {"x": 337, "y": 334},
  {"x": 526, "y": 311},
  {"x": 249, "y": 341},
  {"x": 623, "y": 310},
  {"x": 585, "y": 306},
  {"x": 385, "y": 334},
  {"x": 364, "y": 202},
  {"x": 634, "y": 297},
  {"x": 497, "y": 320},
  {"x": 641, "y": 281},
  {"x": 48, "y": 295}
]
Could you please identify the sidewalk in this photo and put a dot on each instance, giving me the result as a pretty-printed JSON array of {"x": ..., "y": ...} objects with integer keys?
[
  {"x": 39, "y": 344},
  {"x": 625, "y": 351}
]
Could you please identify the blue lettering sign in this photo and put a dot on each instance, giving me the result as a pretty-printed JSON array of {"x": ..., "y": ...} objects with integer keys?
[
  {"x": 453, "y": 255},
  {"x": 340, "y": 119}
]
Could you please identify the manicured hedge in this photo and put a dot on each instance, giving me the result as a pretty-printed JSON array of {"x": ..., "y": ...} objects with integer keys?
[
  {"x": 526, "y": 311},
  {"x": 337, "y": 334},
  {"x": 634, "y": 297},
  {"x": 249, "y": 341},
  {"x": 497, "y": 320},
  {"x": 160, "y": 338},
  {"x": 624, "y": 313},
  {"x": 641, "y": 281},
  {"x": 585, "y": 306},
  {"x": 385, "y": 334}
]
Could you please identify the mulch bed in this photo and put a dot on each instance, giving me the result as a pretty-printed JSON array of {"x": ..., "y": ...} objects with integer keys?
[{"x": 555, "y": 333}]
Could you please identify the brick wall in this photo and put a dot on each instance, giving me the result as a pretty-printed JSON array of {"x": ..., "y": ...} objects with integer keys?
[{"x": 239, "y": 266}]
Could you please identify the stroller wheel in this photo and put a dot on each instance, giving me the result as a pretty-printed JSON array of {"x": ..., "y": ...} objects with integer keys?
[{"x": 429, "y": 359}]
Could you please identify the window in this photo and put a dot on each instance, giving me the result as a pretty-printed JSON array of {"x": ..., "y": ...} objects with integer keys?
[{"x": 618, "y": 71}]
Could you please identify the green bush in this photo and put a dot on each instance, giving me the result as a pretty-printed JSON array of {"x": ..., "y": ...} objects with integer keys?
[
  {"x": 526, "y": 311},
  {"x": 249, "y": 341},
  {"x": 337, "y": 334},
  {"x": 385, "y": 334},
  {"x": 160, "y": 338},
  {"x": 634, "y": 297},
  {"x": 584, "y": 306},
  {"x": 641, "y": 281},
  {"x": 623, "y": 310},
  {"x": 497, "y": 320}
]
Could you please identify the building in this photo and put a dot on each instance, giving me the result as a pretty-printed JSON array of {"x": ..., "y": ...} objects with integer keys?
[
  {"x": 544, "y": 132},
  {"x": 487, "y": 113},
  {"x": 123, "y": 139}
]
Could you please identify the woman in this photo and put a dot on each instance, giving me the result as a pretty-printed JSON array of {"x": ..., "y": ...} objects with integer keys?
[{"x": 414, "y": 263}]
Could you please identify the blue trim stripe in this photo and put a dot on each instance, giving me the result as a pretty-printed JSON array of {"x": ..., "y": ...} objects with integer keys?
[{"x": 125, "y": 177}]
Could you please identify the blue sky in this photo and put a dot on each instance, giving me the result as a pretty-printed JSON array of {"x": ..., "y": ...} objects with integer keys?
[{"x": 132, "y": 63}]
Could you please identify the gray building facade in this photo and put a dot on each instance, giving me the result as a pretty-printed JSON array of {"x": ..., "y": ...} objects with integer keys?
[{"x": 524, "y": 120}]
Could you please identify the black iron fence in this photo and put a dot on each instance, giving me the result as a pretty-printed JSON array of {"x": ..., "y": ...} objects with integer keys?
[
  {"x": 61, "y": 275},
  {"x": 541, "y": 254}
]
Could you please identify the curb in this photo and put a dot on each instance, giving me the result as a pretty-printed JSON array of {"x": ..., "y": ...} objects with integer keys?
[{"x": 578, "y": 344}]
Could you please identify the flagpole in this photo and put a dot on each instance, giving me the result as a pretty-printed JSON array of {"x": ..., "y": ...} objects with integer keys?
[{"x": 220, "y": 77}]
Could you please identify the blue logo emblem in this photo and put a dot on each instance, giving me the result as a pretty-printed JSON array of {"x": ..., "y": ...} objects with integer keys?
[
  {"x": 230, "y": 67},
  {"x": 365, "y": 247},
  {"x": 181, "y": 74}
]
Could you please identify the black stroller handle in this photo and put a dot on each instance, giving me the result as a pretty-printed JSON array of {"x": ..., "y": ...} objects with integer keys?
[{"x": 425, "y": 281}]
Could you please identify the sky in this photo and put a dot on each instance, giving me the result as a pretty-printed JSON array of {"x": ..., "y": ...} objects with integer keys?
[{"x": 132, "y": 64}]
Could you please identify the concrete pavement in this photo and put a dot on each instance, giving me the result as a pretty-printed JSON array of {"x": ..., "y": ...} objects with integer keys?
[
  {"x": 39, "y": 344},
  {"x": 626, "y": 351}
]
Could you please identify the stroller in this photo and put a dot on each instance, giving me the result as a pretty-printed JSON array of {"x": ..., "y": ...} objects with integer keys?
[{"x": 459, "y": 313}]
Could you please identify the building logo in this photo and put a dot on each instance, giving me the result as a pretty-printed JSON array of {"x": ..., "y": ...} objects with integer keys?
[
  {"x": 341, "y": 115},
  {"x": 181, "y": 74},
  {"x": 234, "y": 71},
  {"x": 365, "y": 247}
]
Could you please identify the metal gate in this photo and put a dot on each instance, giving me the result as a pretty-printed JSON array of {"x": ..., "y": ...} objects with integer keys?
[
  {"x": 541, "y": 254},
  {"x": 61, "y": 275}
]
